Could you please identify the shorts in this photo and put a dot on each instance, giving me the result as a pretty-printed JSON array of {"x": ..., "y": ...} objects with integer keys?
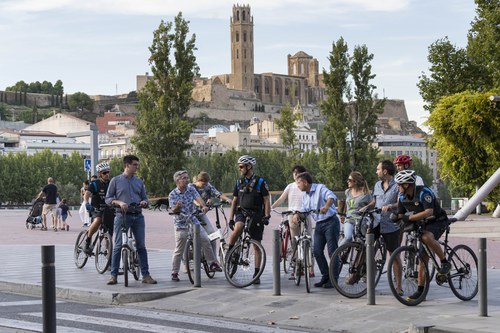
[
  {"x": 107, "y": 215},
  {"x": 48, "y": 208},
  {"x": 392, "y": 240},
  {"x": 64, "y": 217},
  {"x": 256, "y": 230},
  {"x": 437, "y": 228}
]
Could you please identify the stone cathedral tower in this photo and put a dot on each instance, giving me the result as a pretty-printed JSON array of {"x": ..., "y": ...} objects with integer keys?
[{"x": 242, "y": 62}]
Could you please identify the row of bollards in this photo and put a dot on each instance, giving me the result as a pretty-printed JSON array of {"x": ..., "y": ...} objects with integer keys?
[{"x": 49, "y": 275}]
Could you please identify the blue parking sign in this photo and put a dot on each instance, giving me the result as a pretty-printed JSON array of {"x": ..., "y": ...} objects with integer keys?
[{"x": 86, "y": 165}]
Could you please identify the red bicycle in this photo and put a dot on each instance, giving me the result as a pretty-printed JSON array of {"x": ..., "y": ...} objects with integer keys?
[{"x": 286, "y": 250}]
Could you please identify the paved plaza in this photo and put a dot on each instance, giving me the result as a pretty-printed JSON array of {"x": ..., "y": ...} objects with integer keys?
[{"x": 323, "y": 309}]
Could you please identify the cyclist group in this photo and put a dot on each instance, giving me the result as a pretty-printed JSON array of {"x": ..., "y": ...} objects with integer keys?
[{"x": 402, "y": 193}]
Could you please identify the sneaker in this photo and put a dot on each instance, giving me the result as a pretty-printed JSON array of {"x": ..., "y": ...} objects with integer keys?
[
  {"x": 67, "y": 228},
  {"x": 112, "y": 280},
  {"x": 87, "y": 249},
  {"x": 214, "y": 267},
  {"x": 175, "y": 277},
  {"x": 415, "y": 296},
  {"x": 321, "y": 283},
  {"x": 86, "y": 224},
  {"x": 257, "y": 281},
  {"x": 399, "y": 291},
  {"x": 445, "y": 268},
  {"x": 292, "y": 276},
  {"x": 328, "y": 285},
  {"x": 148, "y": 280}
]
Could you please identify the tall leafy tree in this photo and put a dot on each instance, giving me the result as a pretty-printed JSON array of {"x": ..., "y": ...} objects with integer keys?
[
  {"x": 466, "y": 127},
  {"x": 483, "y": 46},
  {"x": 363, "y": 113},
  {"x": 286, "y": 123},
  {"x": 333, "y": 145},
  {"x": 351, "y": 113},
  {"x": 451, "y": 72},
  {"x": 162, "y": 126}
]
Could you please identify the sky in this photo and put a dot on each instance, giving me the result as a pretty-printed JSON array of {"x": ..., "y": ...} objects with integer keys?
[{"x": 99, "y": 46}]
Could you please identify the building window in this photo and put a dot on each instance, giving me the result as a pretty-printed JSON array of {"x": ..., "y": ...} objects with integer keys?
[
  {"x": 237, "y": 37},
  {"x": 238, "y": 15},
  {"x": 237, "y": 54},
  {"x": 244, "y": 15},
  {"x": 244, "y": 36}
]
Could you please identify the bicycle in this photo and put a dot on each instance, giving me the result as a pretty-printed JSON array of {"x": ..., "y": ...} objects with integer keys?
[
  {"x": 462, "y": 278},
  {"x": 188, "y": 255},
  {"x": 102, "y": 244},
  {"x": 129, "y": 255},
  {"x": 286, "y": 250},
  {"x": 222, "y": 231},
  {"x": 347, "y": 268},
  {"x": 302, "y": 252},
  {"x": 240, "y": 265}
]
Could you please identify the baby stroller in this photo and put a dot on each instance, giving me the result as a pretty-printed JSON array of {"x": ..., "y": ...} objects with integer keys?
[{"x": 35, "y": 214}]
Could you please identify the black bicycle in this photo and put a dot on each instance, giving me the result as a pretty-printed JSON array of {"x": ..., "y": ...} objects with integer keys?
[
  {"x": 241, "y": 264},
  {"x": 462, "y": 278},
  {"x": 348, "y": 262},
  {"x": 101, "y": 248}
]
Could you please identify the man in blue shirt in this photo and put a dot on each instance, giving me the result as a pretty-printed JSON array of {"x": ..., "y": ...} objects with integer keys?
[
  {"x": 319, "y": 198},
  {"x": 129, "y": 193}
]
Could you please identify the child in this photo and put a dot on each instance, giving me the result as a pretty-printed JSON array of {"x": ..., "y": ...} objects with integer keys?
[{"x": 64, "y": 214}]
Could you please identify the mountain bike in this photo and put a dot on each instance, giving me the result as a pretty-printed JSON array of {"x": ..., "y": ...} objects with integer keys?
[
  {"x": 286, "y": 250},
  {"x": 462, "y": 278},
  {"x": 240, "y": 264},
  {"x": 348, "y": 262},
  {"x": 102, "y": 244},
  {"x": 188, "y": 256}
]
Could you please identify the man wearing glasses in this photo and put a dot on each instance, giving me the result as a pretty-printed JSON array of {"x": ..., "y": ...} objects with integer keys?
[
  {"x": 129, "y": 193},
  {"x": 250, "y": 193},
  {"x": 97, "y": 191}
]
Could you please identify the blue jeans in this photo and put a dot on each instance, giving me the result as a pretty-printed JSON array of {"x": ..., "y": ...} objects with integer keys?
[
  {"x": 136, "y": 222},
  {"x": 326, "y": 233}
]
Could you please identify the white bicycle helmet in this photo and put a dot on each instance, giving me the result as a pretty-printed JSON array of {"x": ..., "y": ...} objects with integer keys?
[
  {"x": 405, "y": 177},
  {"x": 247, "y": 159},
  {"x": 104, "y": 166}
]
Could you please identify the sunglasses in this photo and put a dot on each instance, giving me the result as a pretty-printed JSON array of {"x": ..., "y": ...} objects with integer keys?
[
  {"x": 105, "y": 172},
  {"x": 242, "y": 166}
]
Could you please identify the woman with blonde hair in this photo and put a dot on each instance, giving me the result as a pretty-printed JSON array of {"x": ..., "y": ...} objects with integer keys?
[{"x": 357, "y": 196}]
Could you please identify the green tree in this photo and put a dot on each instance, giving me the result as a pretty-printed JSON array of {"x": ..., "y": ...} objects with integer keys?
[
  {"x": 162, "y": 126},
  {"x": 286, "y": 123},
  {"x": 483, "y": 46},
  {"x": 351, "y": 114},
  {"x": 451, "y": 72},
  {"x": 80, "y": 101},
  {"x": 58, "y": 88},
  {"x": 333, "y": 145},
  {"x": 466, "y": 127}
]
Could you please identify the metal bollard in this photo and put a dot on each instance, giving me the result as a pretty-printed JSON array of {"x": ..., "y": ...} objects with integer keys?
[
  {"x": 276, "y": 263},
  {"x": 48, "y": 289},
  {"x": 370, "y": 268},
  {"x": 482, "y": 278},
  {"x": 197, "y": 256}
]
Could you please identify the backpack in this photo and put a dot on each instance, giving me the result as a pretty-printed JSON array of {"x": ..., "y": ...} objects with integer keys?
[{"x": 249, "y": 194}]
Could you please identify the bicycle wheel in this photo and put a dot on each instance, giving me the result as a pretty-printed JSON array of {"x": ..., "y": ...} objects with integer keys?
[
  {"x": 349, "y": 265},
  {"x": 409, "y": 259},
  {"x": 126, "y": 267},
  {"x": 286, "y": 250},
  {"x": 307, "y": 264},
  {"x": 79, "y": 256},
  {"x": 103, "y": 252},
  {"x": 463, "y": 277},
  {"x": 135, "y": 266},
  {"x": 380, "y": 258},
  {"x": 188, "y": 260},
  {"x": 240, "y": 263}
]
